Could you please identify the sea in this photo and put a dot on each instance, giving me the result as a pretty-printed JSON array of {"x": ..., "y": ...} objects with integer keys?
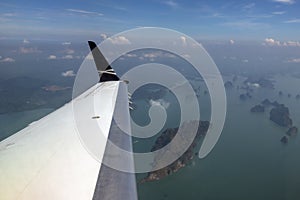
[{"x": 249, "y": 161}]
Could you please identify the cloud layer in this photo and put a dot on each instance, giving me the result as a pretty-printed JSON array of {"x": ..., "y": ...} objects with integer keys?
[{"x": 273, "y": 42}]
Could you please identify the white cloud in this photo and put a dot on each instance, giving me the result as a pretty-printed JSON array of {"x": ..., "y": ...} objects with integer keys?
[
  {"x": 171, "y": 3},
  {"x": 69, "y": 51},
  {"x": 66, "y": 43},
  {"x": 69, "y": 73},
  {"x": 183, "y": 40},
  {"x": 67, "y": 57},
  {"x": 187, "y": 56},
  {"x": 25, "y": 50},
  {"x": 159, "y": 102},
  {"x": 292, "y": 21},
  {"x": 131, "y": 55},
  {"x": 119, "y": 40},
  {"x": 158, "y": 54},
  {"x": 278, "y": 12},
  {"x": 7, "y": 60},
  {"x": 231, "y": 41},
  {"x": 150, "y": 55},
  {"x": 25, "y": 41},
  {"x": 272, "y": 42},
  {"x": 294, "y": 60},
  {"x": 103, "y": 36},
  {"x": 84, "y": 12},
  {"x": 52, "y": 57},
  {"x": 246, "y": 24},
  {"x": 245, "y": 61},
  {"x": 292, "y": 44},
  {"x": 285, "y": 1}
]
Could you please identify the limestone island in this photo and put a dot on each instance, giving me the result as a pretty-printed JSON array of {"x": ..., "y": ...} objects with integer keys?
[
  {"x": 281, "y": 116},
  {"x": 228, "y": 85},
  {"x": 184, "y": 159},
  {"x": 258, "y": 109},
  {"x": 267, "y": 102},
  {"x": 284, "y": 139},
  {"x": 292, "y": 131},
  {"x": 245, "y": 96}
]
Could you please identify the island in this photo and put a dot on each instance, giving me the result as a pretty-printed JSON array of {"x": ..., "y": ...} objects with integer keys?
[
  {"x": 183, "y": 160},
  {"x": 228, "y": 85},
  {"x": 258, "y": 109},
  {"x": 281, "y": 116},
  {"x": 284, "y": 139},
  {"x": 266, "y": 102},
  {"x": 243, "y": 97},
  {"x": 292, "y": 131},
  {"x": 276, "y": 104}
]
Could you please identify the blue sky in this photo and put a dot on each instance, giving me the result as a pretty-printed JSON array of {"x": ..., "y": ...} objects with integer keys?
[{"x": 206, "y": 19}]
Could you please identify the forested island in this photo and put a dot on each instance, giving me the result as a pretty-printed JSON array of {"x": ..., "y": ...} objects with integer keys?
[{"x": 183, "y": 160}]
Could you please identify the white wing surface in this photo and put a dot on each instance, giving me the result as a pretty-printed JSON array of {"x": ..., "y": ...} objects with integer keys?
[{"x": 47, "y": 160}]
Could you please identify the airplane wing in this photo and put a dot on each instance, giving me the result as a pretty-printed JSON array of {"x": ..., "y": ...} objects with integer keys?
[{"x": 47, "y": 160}]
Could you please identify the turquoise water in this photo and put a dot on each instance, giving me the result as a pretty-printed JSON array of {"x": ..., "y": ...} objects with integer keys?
[
  {"x": 249, "y": 162},
  {"x": 13, "y": 122}
]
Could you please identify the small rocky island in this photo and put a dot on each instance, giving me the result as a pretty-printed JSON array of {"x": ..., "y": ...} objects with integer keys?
[
  {"x": 183, "y": 160},
  {"x": 280, "y": 115},
  {"x": 258, "y": 109},
  {"x": 292, "y": 131},
  {"x": 245, "y": 96},
  {"x": 228, "y": 85},
  {"x": 284, "y": 139},
  {"x": 267, "y": 102}
]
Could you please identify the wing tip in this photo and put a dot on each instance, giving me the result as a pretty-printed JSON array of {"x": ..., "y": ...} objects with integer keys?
[
  {"x": 106, "y": 73},
  {"x": 92, "y": 45}
]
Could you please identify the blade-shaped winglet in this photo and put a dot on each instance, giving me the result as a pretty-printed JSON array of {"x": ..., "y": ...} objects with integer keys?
[{"x": 106, "y": 73}]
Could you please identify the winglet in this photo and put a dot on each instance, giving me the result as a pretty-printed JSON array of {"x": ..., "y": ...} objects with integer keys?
[{"x": 106, "y": 73}]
